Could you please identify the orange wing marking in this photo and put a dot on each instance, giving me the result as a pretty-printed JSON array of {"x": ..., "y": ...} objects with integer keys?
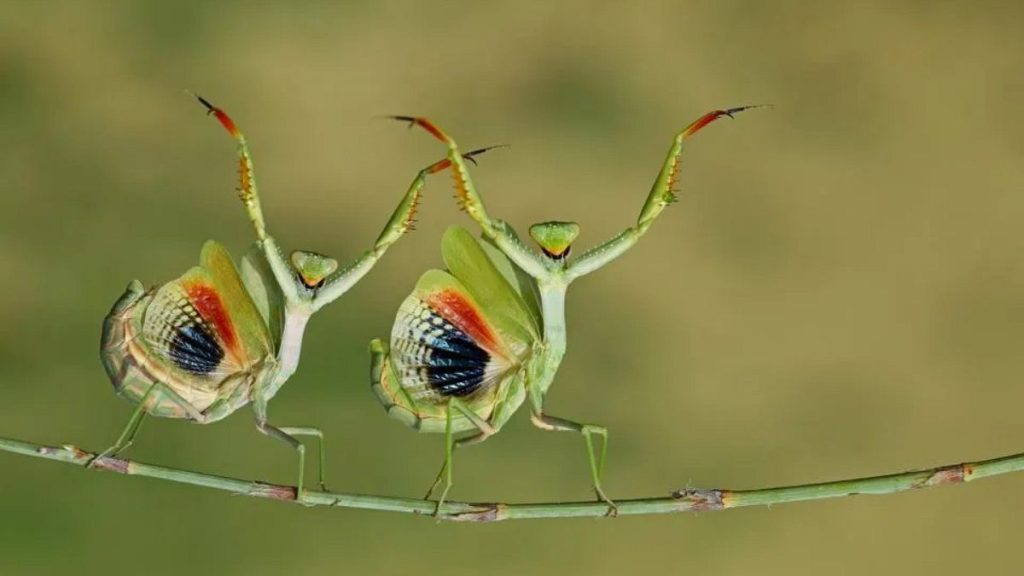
[
  {"x": 211, "y": 308},
  {"x": 454, "y": 307}
]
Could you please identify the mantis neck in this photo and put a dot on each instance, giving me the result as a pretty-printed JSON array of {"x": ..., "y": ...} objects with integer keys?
[{"x": 552, "y": 300}]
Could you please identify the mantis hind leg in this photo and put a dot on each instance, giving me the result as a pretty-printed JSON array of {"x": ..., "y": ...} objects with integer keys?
[
  {"x": 445, "y": 472},
  {"x": 310, "y": 431},
  {"x": 127, "y": 436},
  {"x": 485, "y": 431},
  {"x": 288, "y": 435},
  {"x": 553, "y": 423}
]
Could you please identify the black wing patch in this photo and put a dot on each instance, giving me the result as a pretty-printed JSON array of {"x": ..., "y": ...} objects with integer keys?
[
  {"x": 435, "y": 356},
  {"x": 456, "y": 364},
  {"x": 195, "y": 350},
  {"x": 178, "y": 335}
]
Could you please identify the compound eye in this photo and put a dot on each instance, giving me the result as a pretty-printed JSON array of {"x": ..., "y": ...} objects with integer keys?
[{"x": 313, "y": 268}]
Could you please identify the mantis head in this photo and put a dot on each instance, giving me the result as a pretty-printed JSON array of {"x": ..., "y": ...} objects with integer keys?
[
  {"x": 313, "y": 268},
  {"x": 555, "y": 238}
]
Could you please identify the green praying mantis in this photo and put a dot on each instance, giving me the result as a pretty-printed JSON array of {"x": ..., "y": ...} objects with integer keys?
[
  {"x": 467, "y": 348},
  {"x": 219, "y": 337},
  {"x": 472, "y": 343}
]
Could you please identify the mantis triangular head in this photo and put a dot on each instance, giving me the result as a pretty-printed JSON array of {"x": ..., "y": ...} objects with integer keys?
[
  {"x": 555, "y": 238},
  {"x": 313, "y": 268}
]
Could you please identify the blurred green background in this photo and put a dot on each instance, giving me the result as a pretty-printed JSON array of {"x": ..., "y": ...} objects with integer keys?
[{"x": 838, "y": 293}]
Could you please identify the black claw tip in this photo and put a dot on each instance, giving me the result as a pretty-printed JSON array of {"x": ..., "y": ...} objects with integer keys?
[
  {"x": 410, "y": 119},
  {"x": 473, "y": 153},
  {"x": 730, "y": 112},
  {"x": 209, "y": 107}
]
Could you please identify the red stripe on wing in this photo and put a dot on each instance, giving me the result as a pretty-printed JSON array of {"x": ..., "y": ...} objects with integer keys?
[
  {"x": 455, "y": 308},
  {"x": 208, "y": 303}
]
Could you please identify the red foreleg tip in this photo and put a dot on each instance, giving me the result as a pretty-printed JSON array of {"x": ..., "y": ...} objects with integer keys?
[
  {"x": 425, "y": 124},
  {"x": 221, "y": 116},
  {"x": 716, "y": 114},
  {"x": 703, "y": 121},
  {"x": 438, "y": 166},
  {"x": 226, "y": 122}
]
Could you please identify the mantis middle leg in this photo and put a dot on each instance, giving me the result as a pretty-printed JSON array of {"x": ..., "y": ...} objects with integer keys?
[
  {"x": 556, "y": 424},
  {"x": 485, "y": 431}
]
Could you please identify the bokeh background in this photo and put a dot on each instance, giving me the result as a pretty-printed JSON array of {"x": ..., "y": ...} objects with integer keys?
[{"x": 838, "y": 293}]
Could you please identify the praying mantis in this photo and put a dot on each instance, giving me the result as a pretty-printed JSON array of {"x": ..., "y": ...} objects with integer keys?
[
  {"x": 472, "y": 343},
  {"x": 218, "y": 337}
]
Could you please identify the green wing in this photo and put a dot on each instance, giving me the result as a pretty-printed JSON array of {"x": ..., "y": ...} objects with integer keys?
[
  {"x": 266, "y": 293},
  {"x": 242, "y": 313},
  {"x": 502, "y": 304},
  {"x": 522, "y": 282}
]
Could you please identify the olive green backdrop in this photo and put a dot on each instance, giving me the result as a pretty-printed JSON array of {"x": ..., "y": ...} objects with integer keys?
[{"x": 838, "y": 293}]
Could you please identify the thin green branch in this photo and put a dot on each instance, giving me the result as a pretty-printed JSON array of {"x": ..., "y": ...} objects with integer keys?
[{"x": 686, "y": 500}]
